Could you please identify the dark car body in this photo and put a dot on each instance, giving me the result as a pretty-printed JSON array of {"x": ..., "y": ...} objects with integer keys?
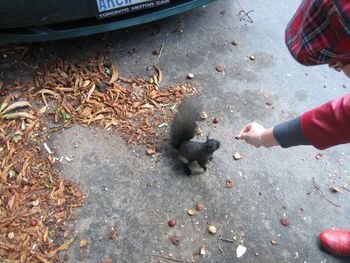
[{"x": 43, "y": 20}]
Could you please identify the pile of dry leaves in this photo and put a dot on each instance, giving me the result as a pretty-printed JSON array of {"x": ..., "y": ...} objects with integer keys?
[{"x": 36, "y": 203}]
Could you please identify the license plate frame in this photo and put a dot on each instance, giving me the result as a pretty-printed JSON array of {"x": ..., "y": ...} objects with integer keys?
[{"x": 109, "y": 8}]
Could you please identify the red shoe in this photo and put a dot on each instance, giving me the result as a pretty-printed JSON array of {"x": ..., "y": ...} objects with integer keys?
[{"x": 336, "y": 241}]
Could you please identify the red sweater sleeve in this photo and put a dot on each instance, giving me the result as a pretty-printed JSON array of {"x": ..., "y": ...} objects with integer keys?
[{"x": 329, "y": 124}]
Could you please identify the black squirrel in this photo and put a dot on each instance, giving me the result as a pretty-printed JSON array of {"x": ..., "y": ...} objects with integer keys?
[{"x": 183, "y": 130}]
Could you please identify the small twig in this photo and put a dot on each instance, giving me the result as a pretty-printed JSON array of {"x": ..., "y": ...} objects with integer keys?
[
  {"x": 344, "y": 187},
  {"x": 325, "y": 197},
  {"x": 160, "y": 51},
  {"x": 220, "y": 249},
  {"x": 317, "y": 188},
  {"x": 169, "y": 258},
  {"x": 246, "y": 14},
  {"x": 226, "y": 240}
]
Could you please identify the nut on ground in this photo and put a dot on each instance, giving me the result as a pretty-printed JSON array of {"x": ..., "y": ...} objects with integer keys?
[
  {"x": 204, "y": 115},
  {"x": 212, "y": 229},
  {"x": 237, "y": 156},
  {"x": 83, "y": 243},
  {"x": 190, "y": 76},
  {"x": 191, "y": 212}
]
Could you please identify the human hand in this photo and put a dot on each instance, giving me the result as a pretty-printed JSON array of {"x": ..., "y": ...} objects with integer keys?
[{"x": 255, "y": 134}]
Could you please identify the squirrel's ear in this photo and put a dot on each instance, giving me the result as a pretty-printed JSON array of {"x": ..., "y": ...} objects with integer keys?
[{"x": 208, "y": 136}]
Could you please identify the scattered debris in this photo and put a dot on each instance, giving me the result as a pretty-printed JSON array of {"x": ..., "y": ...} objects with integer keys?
[
  {"x": 318, "y": 155},
  {"x": 204, "y": 115},
  {"x": 88, "y": 93},
  {"x": 229, "y": 183},
  {"x": 237, "y": 156},
  {"x": 191, "y": 212},
  {"x": 212, "y": 229},
  {"x": 113, "y": 234},
  {"x": 11, "y": 235},
  {"x": 33, "y": 222},
  {"x": 157, "y": 51},
  {"x": 102, "y": 87},
  {"x": 215, "y": 120},
  {"x": 226, "y": 240},
  {"x": 202, "y": 250},
  {"x": 200, "y": 206},
  {"x": 220, "y": 68},
  {"x": 323, "y": 195},
  {"x": 269, "y": 103},
  {"x": 83, "y": 243},
  {"x": 296, "y": 255},
  {"x": 190, "y": 76},
  {"x": 163, "y": 125},
  {"x": 285, "y": 221},
  {"x": 195, "y": 222},
  {"x": 151, "y": 150},
  {"x": 9, "y": 112},
  {"x": 345, "y": 187},
  {"x": 240, "y": 250},
  {"x": 68, "y": 159},
  {"x": 172, "y": 223},
  {"x": 133, "y": 50},
  {"x": 107, "y": 260},
  {"x": 235, "y": 42},
  {"x": 336, "y": 189},
  {"x": 157, "y": 78},
  {"x": 199, "y": 131},
  {"x": 47, "y": 148},
  {"x": 220, "y": 249},
  {"x": 168, "y": 258},
  {"x": 175, "y": 239}
]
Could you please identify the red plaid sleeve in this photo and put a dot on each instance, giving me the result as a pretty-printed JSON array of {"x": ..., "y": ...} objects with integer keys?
[
  {"x": 319, "y": 32},
  {"x": 328, "y": 125}
]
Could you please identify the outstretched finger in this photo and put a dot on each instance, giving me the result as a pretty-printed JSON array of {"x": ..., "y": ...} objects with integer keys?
[{"x": 245, "y": 129}]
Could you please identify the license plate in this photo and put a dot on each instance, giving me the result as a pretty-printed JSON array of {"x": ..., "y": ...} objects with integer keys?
[{"x": 108, "y": 8}]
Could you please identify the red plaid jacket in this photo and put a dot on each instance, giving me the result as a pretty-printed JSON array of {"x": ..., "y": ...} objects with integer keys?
[
  {"x": 319, "y": 32},
  {"x": 329, "y": 124}
]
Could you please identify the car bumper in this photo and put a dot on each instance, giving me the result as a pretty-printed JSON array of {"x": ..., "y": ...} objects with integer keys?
[{"x": 91, "y": 26}]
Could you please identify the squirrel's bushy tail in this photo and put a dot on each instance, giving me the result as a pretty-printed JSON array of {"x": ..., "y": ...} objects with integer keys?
[{"x": 184, "y": 124}]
